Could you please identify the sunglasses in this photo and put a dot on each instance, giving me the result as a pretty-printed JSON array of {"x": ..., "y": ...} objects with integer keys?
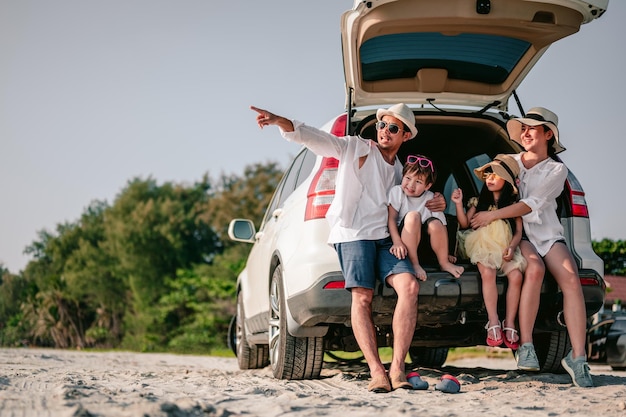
[
  {"x": 486, "y": 175},
  {"x": 393, "y": 128},
  {"x": 421, "y": 161}
]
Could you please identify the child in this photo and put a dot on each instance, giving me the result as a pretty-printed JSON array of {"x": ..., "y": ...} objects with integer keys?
[
  {"x": 494, "y": 248},
  {"x": 408, "y": 212}
]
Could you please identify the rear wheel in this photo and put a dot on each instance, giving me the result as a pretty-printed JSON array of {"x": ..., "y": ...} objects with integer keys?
[
  {"x": 551, "y": 348},
  {"x": 291, "y": 357},
  {"x": 428, "y": 357},
  {"x": 249, "y": 356}
]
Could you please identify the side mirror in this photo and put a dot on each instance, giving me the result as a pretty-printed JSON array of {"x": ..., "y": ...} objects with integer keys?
[{"x": 241, "y": 230}]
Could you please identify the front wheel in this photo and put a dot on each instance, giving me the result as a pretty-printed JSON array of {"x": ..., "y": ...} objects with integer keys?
[
  {"x": 291, "y": 357},
  {"x": 232, "y": 334},
  {"x": 249, "y": 356}
]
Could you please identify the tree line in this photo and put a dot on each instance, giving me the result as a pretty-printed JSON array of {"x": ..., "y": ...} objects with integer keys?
[{"x": 152, "y": 271}]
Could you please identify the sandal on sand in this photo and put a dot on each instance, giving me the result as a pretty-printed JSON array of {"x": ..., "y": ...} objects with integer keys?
[
  {"x": 494, "y": 341},
  {"x": 379, "y": 384},
  {"x": 509, "y": 343},
  {"x": 399, "y": 381}
]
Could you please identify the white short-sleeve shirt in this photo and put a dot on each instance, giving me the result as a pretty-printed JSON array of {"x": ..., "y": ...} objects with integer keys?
[{"x": 404, "y": 204}]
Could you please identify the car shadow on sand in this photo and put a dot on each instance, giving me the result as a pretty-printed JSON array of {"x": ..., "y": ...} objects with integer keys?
[{"x": 473, "y": 375}]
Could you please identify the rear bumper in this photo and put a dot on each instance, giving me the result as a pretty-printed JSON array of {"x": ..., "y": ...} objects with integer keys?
[{"x": 443, "y": 300}]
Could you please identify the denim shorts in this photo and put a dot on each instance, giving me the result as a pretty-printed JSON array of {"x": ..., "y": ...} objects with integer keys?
[{"x": 364, "y": 261}]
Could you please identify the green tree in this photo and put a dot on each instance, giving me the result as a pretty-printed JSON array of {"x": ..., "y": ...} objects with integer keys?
[
  {"x": 53, "y": 315},
  {"x": 245, "y": 197},
  {"x": 13, "y": 290},
  {"x": 92, "y": 275},
  {"x": 154, "y": 270},
  {"x": 613, "y": 253},
  {"x": 153, "y": 231}
]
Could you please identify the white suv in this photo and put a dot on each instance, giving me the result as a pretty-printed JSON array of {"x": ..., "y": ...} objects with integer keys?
[{"x": 457, "y": 64}]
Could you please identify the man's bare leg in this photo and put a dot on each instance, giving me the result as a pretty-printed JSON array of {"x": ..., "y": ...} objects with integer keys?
[
  {"x": 363, "y": 328},
  {"x": 404, "y": 319}
]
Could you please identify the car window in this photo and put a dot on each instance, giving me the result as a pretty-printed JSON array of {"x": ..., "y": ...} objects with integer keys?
[
  {"x": 307, "y": 166},
  {"x": 466, "y": 56},
  {"x": 290, "y": 181},
  {"x": 286, "y": 185},
  {"x": 450, "y": 186},
  {"x": 451, "y": 183},
  {"x": 474, "y": 163}
]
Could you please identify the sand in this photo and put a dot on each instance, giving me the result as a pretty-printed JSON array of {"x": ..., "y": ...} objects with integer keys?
[{"x": 48, "y": 382}]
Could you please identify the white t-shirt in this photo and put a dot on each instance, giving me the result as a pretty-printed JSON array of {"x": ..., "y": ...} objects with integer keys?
[
  {"x": 404, "y": 204},
  {"x": 359, "y": 209}
]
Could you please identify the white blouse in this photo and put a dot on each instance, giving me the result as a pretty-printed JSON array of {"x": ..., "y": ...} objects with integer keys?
[{"x": 539, "y": 187}]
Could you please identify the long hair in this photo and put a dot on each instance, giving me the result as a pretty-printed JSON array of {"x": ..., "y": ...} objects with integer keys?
[{"x": 507, "y": 197}]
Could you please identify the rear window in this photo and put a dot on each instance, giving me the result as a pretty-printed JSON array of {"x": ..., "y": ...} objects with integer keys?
[{"x": 467, "y": 56}]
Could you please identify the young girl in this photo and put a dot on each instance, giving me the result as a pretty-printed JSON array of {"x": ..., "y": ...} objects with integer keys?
[
  {"x": 494, "y": 248},
  {"x": 542, "y": 178},
  {"x": 409, "y": 217}
]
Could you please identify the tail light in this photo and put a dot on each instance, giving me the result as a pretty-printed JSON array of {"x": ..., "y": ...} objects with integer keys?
[
  {"x": 335, "y": 285},
  {"x": 322, "y": 190},
  {"x": 576, "y": 197}
]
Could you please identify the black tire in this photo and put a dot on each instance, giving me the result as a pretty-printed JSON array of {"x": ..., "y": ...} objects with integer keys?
[
  {"x": 232, "y": 334},
  {"x": 249, "y": 356},
  {"x": 551, "y": 348},
  {"x": 291, "y": 357},
  {"x": 428, "y": 357}
]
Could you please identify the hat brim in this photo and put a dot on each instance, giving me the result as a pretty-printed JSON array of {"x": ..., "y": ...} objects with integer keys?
[
  {"x": 514, "y": 127},
  {"x": 497, "y": 169},
  {"x": 409, "y": 123}
]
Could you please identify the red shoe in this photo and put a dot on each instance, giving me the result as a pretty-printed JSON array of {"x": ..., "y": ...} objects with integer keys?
[
  {"x": 510, "y": 344},
  {"x": 496, "y": 332}
]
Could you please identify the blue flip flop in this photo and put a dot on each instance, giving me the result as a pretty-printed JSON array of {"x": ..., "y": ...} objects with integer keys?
[{"x": 448, "y": 384}]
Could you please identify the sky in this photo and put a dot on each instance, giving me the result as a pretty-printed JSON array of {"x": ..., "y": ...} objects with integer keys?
[{"x": 94, "y": 94}]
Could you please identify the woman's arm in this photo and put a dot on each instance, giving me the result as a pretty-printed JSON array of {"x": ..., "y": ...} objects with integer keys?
[{"x": 483, "y": 218}]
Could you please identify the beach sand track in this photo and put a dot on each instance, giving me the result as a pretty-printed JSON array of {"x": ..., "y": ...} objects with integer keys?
[{"x": 48, "y": 382}]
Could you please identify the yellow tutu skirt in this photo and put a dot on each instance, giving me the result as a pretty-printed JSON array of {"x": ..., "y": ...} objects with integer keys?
[{"x": 487, "y": 244}]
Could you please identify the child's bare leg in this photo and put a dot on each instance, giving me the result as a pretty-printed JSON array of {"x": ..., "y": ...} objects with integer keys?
[
  {"x": 513, "y": 294},
  {"x": 490, "y": 297},
  {"x": 439, "y": 241},
  {"x": 411, "y": 236}
]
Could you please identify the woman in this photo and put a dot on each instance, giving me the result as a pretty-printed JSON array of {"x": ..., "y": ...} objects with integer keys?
[{"x": 542, "y": 179}]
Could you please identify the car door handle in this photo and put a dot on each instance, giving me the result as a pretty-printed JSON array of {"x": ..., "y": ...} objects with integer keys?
[{"x": 276, "y": 213}]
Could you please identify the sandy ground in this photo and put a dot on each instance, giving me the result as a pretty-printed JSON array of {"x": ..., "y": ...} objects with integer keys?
[{"x": 45, "y": 382}]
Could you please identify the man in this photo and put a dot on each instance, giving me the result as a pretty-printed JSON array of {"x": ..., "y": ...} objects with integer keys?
[{"x": 358, "y": 228}]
